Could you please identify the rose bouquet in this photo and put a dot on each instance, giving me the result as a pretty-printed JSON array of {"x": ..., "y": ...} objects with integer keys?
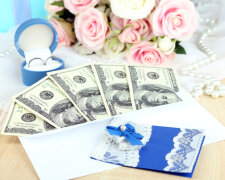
[{"x": 142, "y": 31}]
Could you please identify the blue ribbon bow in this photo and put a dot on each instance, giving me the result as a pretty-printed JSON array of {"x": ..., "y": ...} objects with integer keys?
[{"x": 129, "y": 133}]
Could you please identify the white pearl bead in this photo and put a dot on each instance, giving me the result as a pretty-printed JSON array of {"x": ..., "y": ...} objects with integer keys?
[
  {"x": 210, "y": 52},
  {"x": 201, "y": 20},
  {"x": 212, "y": 21},
  {"x": 207, "y": 20},
  {"x": 213, "y": 58},
  {"x": 216, "y": 83},
  {"x": 123, "y": 127},
  {"x": 222, "y": 92},
  {"x": 2, "y": 54},
  {"x": 205, "y": 34},
  {"x": 202, "y": 38},
  {"x": 210, "y": 87},
  {"x": 208, "y": 91},
  {"x": 209, "y": 31},
  {"x": 203, "y": 46},
  {"x": 207, "y": 50},
  {"x": 207, "y": 61},
  {"x": 201, "y": 62},
  {"x": 215, "y": 94},
  {"x": 207, "y": 82},
  {"x": 200, "y": 42}
]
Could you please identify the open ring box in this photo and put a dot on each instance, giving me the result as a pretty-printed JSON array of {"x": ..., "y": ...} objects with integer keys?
[{"x": 35, "y": 40}]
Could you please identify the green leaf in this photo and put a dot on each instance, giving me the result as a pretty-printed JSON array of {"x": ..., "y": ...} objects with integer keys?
[
  {"x": 125, "y": 27},
  {"x": 154, "y": 39},
  {"x": 113, "y": 42},
  {"x": 179, "y": 49},
  {"x": 60, "y": 13},
  {"x": 58, "y": 3},
  {"x": 116, "y": 32},
  {"x": 65, "y": 14},
  {"x": 129, "y": 45}
]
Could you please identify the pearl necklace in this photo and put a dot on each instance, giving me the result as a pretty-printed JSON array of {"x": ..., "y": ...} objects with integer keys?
[
  {"x": 208, "y": 86},
  {"x": 2, "y": 54}
]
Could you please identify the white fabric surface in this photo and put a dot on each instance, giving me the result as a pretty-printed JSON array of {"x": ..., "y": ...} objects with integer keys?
[{"x": 10, "y": 75}]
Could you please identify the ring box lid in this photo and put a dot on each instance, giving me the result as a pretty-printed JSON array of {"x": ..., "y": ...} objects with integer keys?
[
  {"x": 35, "y": 40},
  {"x": 35, "y": 34}
]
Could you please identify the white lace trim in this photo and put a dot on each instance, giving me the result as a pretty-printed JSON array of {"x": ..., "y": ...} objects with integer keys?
[
  {"x": 117, "y": 150},
  {"x": 187, "y": 145}
]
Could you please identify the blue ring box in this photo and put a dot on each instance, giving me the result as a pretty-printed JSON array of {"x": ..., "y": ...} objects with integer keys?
[{"x": 30, "y": 77}]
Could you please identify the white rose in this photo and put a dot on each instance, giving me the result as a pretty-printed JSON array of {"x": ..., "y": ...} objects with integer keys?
[
  {"x": 82, "y": 50},
  {"x": 132, "y": 9},
  {"x": 113, "y": 48},
  {"x": 166, "y": 45}
]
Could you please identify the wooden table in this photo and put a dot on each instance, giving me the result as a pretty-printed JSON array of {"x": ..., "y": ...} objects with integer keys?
[{"x": 15, "y": 165}]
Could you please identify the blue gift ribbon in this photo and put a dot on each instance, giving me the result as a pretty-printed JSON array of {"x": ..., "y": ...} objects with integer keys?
[{"x": 129, "y": 133}]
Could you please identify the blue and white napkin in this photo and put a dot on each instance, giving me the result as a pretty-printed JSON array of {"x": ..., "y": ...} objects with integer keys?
[{"x": 164, "y": 149}]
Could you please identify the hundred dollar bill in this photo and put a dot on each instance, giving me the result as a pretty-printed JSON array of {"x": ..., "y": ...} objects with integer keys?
[
  {"x": 47, "y": 101},
  {"x": 152, "y": 86},
  {"x": 81, "y": 88},
  {"x": 113, "y": 85},
  {"x": 21, "y": 122}
]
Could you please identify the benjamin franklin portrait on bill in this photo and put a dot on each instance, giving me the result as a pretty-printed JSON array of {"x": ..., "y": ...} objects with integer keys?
[
  {"x": 119, "y": 95},
  {"x": 64, "y": 114},
  {"x": 154, "y": 95},
  {"x": 90, "y": 100}
]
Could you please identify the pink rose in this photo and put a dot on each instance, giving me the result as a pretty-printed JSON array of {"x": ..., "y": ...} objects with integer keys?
[
  {"x": 145, "y": 53},
  {"x": 65, "y": 33},
  {"x": 169, "y": 59},
  {"x": 118, "y": 22},
  {"x": 129, "y": 35},
  {"x": 91, "y": 29},
  {"x": 52, "y": 8},
  {"x": 176, "y": 19},
  {"x": 77, "y": 6},
  {"x": 143, "y": 27}
]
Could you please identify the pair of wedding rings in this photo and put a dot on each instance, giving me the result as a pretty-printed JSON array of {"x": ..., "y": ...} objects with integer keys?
[{"x": 43, "y": 61}]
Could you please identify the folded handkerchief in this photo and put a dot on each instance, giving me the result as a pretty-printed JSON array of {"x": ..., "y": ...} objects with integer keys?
[{"x": 164, "y": 149}]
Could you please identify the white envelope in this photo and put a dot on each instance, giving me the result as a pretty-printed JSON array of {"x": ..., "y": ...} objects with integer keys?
[{"x": 64, "y": 153}]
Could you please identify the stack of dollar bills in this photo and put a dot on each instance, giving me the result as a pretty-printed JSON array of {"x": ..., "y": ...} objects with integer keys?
[{"x": 88, "y": 93}]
